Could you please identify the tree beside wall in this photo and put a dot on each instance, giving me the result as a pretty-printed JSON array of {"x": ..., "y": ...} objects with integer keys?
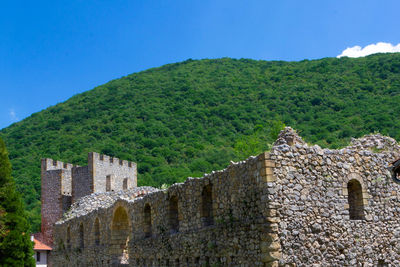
[{"x": 16, "y": 248}]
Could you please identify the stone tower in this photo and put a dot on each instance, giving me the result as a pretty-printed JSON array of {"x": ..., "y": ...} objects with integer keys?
[
  {"x": 64, "y": 184},
  {"x": 56, "y": 194}
]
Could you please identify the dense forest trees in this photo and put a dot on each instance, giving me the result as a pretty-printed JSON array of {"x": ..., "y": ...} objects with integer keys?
[
  {"x": 16, "y": 248},
  {"x": 188, "y": 118}
]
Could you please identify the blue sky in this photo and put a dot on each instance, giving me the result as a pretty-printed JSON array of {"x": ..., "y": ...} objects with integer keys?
[{"x": 52, "y": 50}]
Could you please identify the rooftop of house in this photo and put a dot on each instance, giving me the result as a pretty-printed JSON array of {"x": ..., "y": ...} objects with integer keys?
[{"x": 38, "y": 245}]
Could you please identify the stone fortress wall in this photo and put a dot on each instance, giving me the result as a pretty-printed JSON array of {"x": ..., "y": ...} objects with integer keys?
[
  {"x": 219, "y": 218},
  {"x": 64, "y": 183},
  {"x": 296, "y": 205}
]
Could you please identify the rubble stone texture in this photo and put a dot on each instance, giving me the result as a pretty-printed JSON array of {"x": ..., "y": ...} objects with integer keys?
[{"x": 296, "y": 205}]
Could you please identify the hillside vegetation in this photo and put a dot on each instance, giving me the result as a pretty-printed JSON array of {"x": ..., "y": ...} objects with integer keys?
[{"x": 192, "y": 117}]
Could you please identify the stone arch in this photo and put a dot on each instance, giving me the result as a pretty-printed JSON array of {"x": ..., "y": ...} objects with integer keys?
[
  {"x": 207, "y": 206},
  {"x": 81, "y": 237},
  {"x": 97, "y": 232},
  {"x": 120, "y": 229},
  {"x": 147, "y": 220},
  {"x": 355, "y": 199},
  {"x": 354, "y": 189},
  {"x": 173, "y": 214}
]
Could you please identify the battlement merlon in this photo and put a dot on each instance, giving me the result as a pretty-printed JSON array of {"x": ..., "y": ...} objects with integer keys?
[
  {"x": 122, "y": 173},
  {"x": 96, "y": 157},
  {"x": 51, "y": 164}
]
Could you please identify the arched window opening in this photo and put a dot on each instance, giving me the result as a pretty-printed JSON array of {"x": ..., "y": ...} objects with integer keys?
[
  {"x": 68, "y": 237},
  {"x": 207, "y": 206},
  {"x": 81, "y": 237},
  {"x": 355, "y": 198},
  {"x": 173, "y": 214},
  {"x": 120, "y": 237},
  {"x": 125, "y": 184},
  {"x": 147, "y": 221},
  {"x": 97, "y": 232}
]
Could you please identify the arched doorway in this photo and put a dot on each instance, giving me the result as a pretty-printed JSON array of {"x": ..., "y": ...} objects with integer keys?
[{"x": 120, "y": 238}]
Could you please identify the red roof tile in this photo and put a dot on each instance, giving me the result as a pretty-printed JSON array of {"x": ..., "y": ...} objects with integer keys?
[{"x": 40, "y": 246}]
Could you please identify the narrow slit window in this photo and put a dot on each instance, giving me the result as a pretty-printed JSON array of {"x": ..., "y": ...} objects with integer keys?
[
  {"x": 125, "y": 184},
  {"x": 147, "y": 221},
  {"x": 207, "y": 206},
  {"x": 68, "y": 238},
  {"x": 97, "y": 232},
  {"x": 108, "y": 183},
  {"x": 81, "y": 237}
]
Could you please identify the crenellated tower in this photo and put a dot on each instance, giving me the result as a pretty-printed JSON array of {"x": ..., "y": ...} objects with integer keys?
[
  {"x": 64, "y": 183},
  {"x": 103, "y": 173},
  {"x": 56, "y": 194}
]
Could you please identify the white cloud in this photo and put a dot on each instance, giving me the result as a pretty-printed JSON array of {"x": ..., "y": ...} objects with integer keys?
[
  {"x": 13, "y": 115},
  {"x": 358, "y": 51}
]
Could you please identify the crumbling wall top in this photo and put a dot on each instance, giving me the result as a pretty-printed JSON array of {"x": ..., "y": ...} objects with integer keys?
[
  {"x": 289, "y": 137},
  {"x": 374, "y": 142}
]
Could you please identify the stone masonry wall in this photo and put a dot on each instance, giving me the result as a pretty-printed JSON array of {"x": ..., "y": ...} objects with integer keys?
[
  {"x": 292, "y": 206},
  {"x": 243, "y": 232},
  {"x": 51, "y": 210},
  {"x": 82, "y": 183},
  {"x": 54, "y": 184},
  {"x": 312, "y": 195},
  {"x": 100, "y": 166}
]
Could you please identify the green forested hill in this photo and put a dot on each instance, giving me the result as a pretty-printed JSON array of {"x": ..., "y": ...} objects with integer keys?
[{"x": 192, "y": 117}]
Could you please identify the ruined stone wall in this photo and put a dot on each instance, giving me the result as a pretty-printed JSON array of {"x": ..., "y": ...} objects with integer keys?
[
  {"x": 233, "y": 239},
  {"x": 101, "y": 166},
  {"x": 297, "y": 205},
  {"x": 240, "y": 232},
  {"x": 312, "y": 194}
]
